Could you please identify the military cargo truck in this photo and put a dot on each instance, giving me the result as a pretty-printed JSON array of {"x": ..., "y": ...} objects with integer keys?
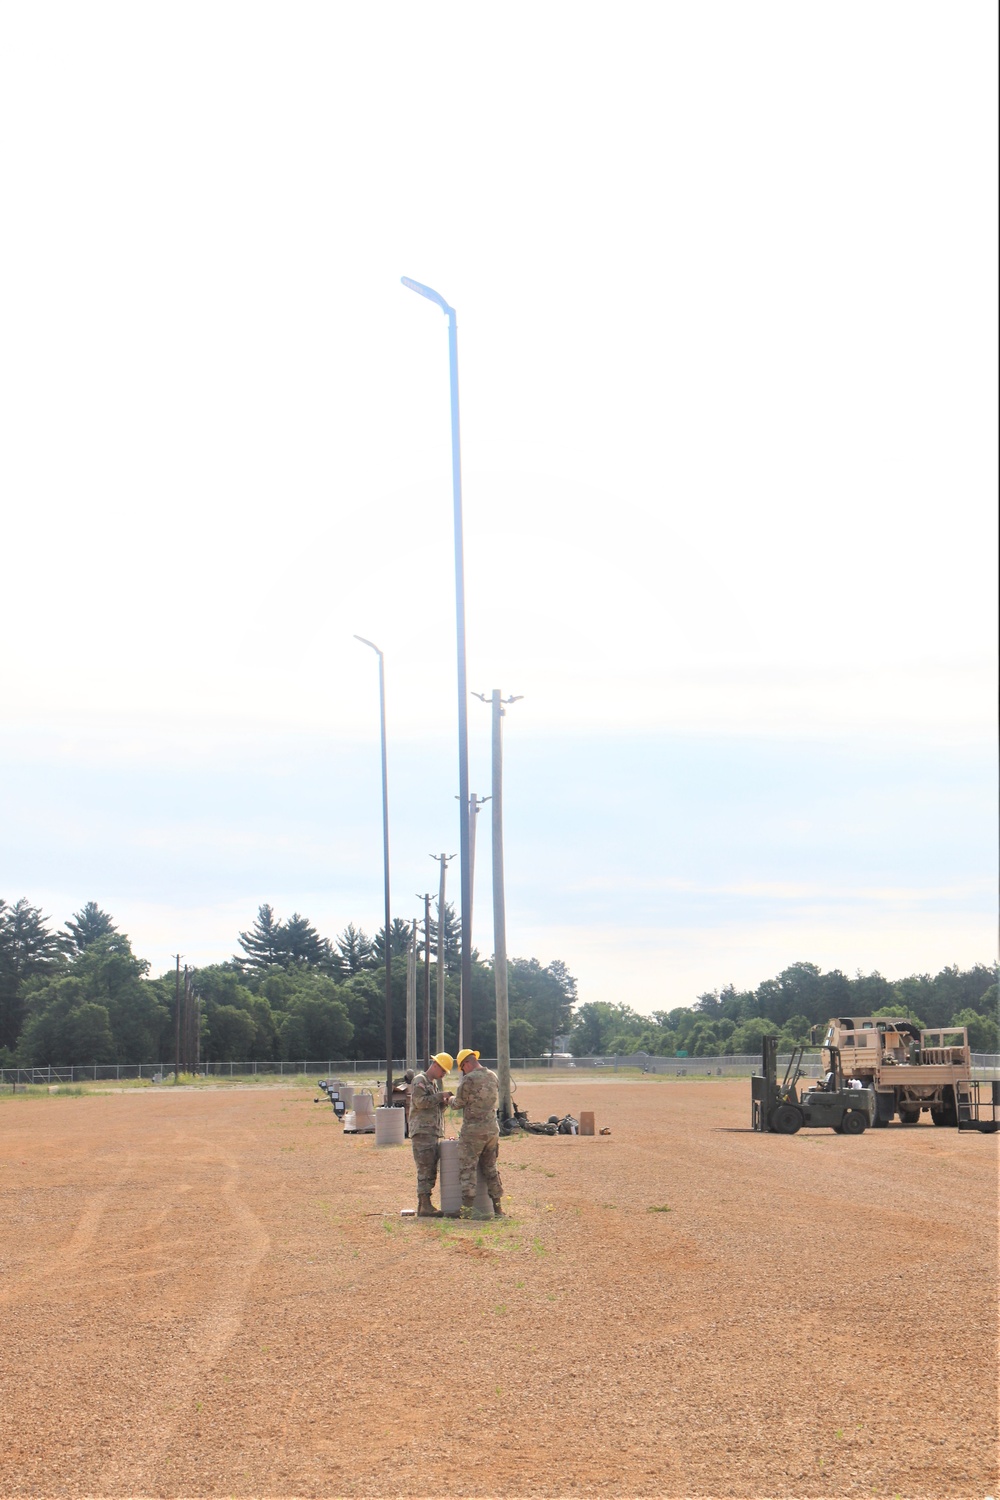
[{"x": 910, "y": 1070}]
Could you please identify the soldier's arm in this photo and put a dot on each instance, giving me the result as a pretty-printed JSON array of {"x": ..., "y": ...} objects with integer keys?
[{"x": 424, "y": 1101}]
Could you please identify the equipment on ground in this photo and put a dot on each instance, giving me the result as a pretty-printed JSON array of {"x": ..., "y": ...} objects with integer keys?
[
  {"x": 908, "y": 1069},
  {"x": 568, "y": 1125},
  {"x": 781, "y": 1109},
  {"x": 331, "y": 1089},
  {"x": 361, "y": 1119}
]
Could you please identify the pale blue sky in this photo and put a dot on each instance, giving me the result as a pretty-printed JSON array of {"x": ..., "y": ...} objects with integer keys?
[
  {"x": 726, "y": 279},
  {"x": 654, "y": 866}
]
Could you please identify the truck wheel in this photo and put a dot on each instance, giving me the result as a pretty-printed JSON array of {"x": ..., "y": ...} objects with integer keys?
[
  {"x": 853, "y": 1123},
  {"x": 909, "y": 1116},
  {"x": 940, "y": 1116},
  {"x": 786, "y": 1119}
]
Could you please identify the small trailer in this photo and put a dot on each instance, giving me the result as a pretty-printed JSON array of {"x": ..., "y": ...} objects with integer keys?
[
  {"x": 781, "y": 1109},
  {"x": 978, "y": 1104}
]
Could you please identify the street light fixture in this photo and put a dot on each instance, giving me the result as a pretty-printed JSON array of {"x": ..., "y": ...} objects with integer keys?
[
  {"x": 385, "y": 864},
  {"x": 464, "y": 1034}
]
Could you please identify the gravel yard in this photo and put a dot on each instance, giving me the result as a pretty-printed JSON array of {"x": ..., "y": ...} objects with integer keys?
[{"x": 212, "y": 1293}]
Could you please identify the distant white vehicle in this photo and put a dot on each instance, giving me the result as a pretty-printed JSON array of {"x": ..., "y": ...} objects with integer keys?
[{"x": 559, "y": 1059}]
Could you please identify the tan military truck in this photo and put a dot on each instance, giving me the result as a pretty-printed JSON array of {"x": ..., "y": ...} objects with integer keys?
[{"x": 909, "y": 1069}]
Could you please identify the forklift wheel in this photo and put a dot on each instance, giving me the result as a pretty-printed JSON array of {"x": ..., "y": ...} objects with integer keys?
[
  {"x": 786, "y": 1119},
  {"x": 854, "y": 1123}
]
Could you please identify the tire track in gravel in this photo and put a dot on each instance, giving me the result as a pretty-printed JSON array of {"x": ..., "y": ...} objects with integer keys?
[
  {"x": 80, "y": 1239},
  {"x": 220, "y": 1326}
]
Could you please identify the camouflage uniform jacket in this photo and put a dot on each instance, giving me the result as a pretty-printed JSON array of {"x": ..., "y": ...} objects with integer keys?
[
  {"x": 426, "y": 1107},
  {"x": 477, "y": 1096}
]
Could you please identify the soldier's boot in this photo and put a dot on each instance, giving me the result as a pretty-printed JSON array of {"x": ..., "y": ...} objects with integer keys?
[
  {"x": 425, "y": 1208},
  {"x": 465, "y": 1212},
  {"x": 497, "y": 1209}
]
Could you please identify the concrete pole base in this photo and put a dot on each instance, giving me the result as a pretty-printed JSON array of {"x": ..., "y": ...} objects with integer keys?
[{"x": 482, "y": 1206}]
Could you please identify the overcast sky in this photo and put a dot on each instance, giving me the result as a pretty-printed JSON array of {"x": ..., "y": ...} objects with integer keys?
[{"x": 726, "y": 287}]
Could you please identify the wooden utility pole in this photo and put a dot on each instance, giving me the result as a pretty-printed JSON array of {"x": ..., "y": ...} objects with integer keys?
[
  {"x": 426, "y": 1028},
  {"x": 411, "y": 998},
  {"x": 444, "y": 860},
  {"x": 499, "y": 906},
  {"x": 476, "y": 805},
  {"x": 177, "y": 1018},
  {"x": 188, "y": 1027}
]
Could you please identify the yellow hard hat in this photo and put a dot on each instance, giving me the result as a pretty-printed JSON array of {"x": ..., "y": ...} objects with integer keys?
[
  {"x": 465, "y": 1052},
  {"x": 443, "y": 1060}
]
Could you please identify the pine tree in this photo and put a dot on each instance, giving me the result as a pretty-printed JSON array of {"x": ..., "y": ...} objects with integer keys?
[
  {"x": 27, "y": 947},
  {"x": 263, "y": 945},
  {"x": 302, "y": 944},
  {"x": 85, "y": 927},
  {"x": 399, "y": 941},
  {"x": 355, "y": 949}
]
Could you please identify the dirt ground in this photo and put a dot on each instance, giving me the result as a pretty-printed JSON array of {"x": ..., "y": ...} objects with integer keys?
[{"x": 212, "y": 1293}]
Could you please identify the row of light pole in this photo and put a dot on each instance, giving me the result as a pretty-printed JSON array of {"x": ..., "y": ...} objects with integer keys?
[{"x": 465, "y": 810}]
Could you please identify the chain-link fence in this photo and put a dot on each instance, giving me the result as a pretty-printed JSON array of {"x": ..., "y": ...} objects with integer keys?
[{"x": 984, "y": 1065}]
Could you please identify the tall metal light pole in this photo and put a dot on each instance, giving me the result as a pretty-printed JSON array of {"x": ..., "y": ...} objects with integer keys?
[
  {"x": 463, "y": 694},
  {"x": 385, "y": 865}
]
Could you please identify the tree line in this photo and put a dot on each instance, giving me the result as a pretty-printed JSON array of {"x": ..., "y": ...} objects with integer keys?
[
  {"x": 81, "y": 996},
  {"x": 731, "y": 1022}
]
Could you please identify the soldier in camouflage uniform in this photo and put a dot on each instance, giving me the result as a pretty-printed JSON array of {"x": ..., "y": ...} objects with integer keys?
[
  {"x": 477, "y": 1097},
  {"x": 427, "y": 1105}
]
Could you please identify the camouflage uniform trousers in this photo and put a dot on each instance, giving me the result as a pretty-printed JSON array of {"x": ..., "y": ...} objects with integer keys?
[
  {"x": 479, "y": 1147},
  {"x": 425, "y": 1154}
]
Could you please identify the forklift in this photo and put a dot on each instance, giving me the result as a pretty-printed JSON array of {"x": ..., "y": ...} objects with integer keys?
[{"x": 783, "y": 1110}]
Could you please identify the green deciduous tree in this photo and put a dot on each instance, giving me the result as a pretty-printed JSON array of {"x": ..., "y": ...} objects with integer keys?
[
  {"x": 230, "y": 1034},
  {"x": 317, "y": 1024},
  {"x": 982, "y": 1029},
  {"x": 65, "y": 1025}
]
